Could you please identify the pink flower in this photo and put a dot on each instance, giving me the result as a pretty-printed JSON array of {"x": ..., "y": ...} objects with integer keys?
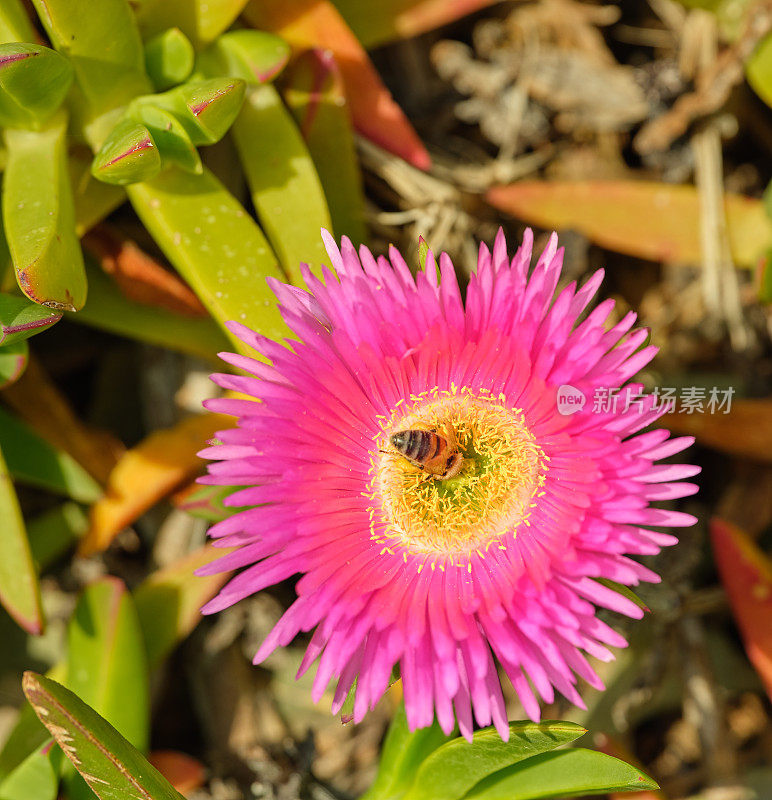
[{"x": 446, "y": 578}]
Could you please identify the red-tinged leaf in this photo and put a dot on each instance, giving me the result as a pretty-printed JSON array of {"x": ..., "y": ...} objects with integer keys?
[
  {"x": 306, "y": 24},
  {"x": 377, "y": 23},
  {"x": 111, "y": 765},
  {"x": 746, "y": 573},
  {"x": 139, "y": 276},
  {"x": 183, "y": 772},
  {"x": 205, "y": 502},
  {"x": 19, "y": 590},
  {"x": 13, "y": 362},
  {"x": 147, "y": 473},
  {"x": 745, "y": 431},
  {"x": 169, "y": 600},
  {"x": 106, "y": 661},
  {"x": 645, "y": 219}
]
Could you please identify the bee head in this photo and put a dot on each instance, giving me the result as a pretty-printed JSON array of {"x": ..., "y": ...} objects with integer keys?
[{"x": 399, "y": 439}]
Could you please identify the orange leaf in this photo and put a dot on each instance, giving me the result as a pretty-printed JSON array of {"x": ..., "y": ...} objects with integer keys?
[
  {"x": 657, "y": 221},
  {"x": 746, "y": 573},
  {"x": 141, "y": 278},
  {"x": 307, "y": 24},
  {"x": 745, "y": 431},
  {"x": 184, "y": 772},
  {"x": 147, "y": 473}
]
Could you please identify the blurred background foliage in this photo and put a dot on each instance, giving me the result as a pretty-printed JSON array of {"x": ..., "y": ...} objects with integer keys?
[{"x": 161, "y": 158}]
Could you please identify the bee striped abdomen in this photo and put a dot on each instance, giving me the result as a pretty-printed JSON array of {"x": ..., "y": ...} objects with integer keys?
[{"x": 422, "y": 446}]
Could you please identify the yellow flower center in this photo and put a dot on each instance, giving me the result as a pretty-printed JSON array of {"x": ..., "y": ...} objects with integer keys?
[{"x": 503, "y": 471}]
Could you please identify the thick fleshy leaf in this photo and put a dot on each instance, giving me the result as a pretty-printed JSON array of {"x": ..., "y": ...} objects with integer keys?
[
  {"x": 147, "y": 473},
  {"x": 169, "y": 601},
  {"x": 650, "y": 220},
  {"x": 169, "y": 58},
  {"x": 170, "y": 136},
  {"x": 745, "y": 431},
  {"x": 19, "y": 589},
  {"x": 111, "y": 765},
  {"x": 108, "y": 308},
  {"x": 13, "y": 362},
  {"x": 746, "y": 573},
  {"x": 205, "y": 108},
  {"x": 15, "y": 25},
  {"x": 758, "y": 69},
  {"x": 314, "y": 92},
  {"x": 453, "y": 769},
  {"x": 565, "y": 773},
  {"x": 106, "y": 661},
  {"x": 253, "y": 56},
  {"x": 52, "y": 533},
  {"x": 128, "y": 155},
  {"x": 39, "y": 217},
  {"x": 94, "y": 200},
  {"x": 307, "y": 24},
  {"x": 202, "y": 21},
  {"x": 285, "y": 187},
  {"x": 402, "y": 753},
  {"x": 27, "y": 734},
  {"x": 138, "y": 275},
  {"x": 215, "y": 246},
  {"x": 34, "y": 81},
  {"x": 36, "y": 777},
  {"x": 102, "y": 42},
  {"x": 377, "y": 23},
  {"x": 20, "y": 319},
  {"x": 34, "y": 461},
  {"x": 185, "y": 773}
]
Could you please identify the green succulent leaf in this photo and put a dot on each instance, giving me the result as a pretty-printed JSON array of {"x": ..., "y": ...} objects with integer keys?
[
  {"x": 34, "y": 81},
  {"x": 565, "y": 773},
  {"x": 15, "y": 25},
  {"x": 215, "y": 246},
  {"x": 20, "y": 319},
  {"x": 169, "y": 58},
  {"x": 19, "y": 589},
  {"x": 128, "y": 155},
  {"x": 36, "y": 777},
  {"x": 254, "y": 56},
  {"x": 106, "y": 662},
  {"x": 201, "y": 21},
  {"x": 313, "y": 90},
  {"x": 110, "y": 764},
  {"x": 39, "y": 217},
  {"x": 454, "y": 768},
  {"x": 52, "y": 533},
  {"x": 282, "y": 179},
  {"x": 34, "y": 461},
  {"x": 206, "y": 109},
  {"x": 13, "y": 362},
  {"x": 27, "y": 734},
  {"x": 110, "y": 310},
  {"x": 94, "y": 200},
  {"x": 170, "y": 136},
  {"x": 402, "y": 753},
  {"x": 102, "y": 42}
]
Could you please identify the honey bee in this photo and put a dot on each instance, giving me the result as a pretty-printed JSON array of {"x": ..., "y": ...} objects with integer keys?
[{"x": 439, "y": 456}]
